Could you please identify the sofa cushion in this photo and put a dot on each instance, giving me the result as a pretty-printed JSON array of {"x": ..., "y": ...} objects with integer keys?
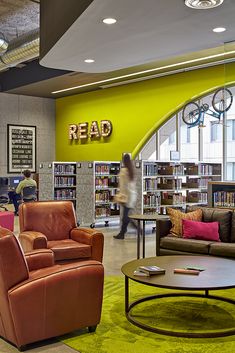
[
  {"x": 221, "y": 216},
  {"x": 222, "y": 249},
  {"x": 189, "y": 245},
  {"x": 200, "y": 230},
  {"x": 68, "y": 249},
  {"x": 176, "y": 219}
]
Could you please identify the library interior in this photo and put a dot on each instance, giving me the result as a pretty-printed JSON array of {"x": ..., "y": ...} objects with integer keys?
[{"x": 117, "y": 166}]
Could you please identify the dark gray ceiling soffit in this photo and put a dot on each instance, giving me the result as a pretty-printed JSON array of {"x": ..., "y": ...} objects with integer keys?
[
  {"x": 32, "y": 72},
  {"x": 56, "y": 16}
]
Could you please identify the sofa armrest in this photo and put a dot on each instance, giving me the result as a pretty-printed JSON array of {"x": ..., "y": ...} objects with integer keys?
[
  {"x": 31, "y": 240},
  {"x": 39, "y": 259},
  {"x": 90, "y": 237},
  {"x": 163, "y": 227}
]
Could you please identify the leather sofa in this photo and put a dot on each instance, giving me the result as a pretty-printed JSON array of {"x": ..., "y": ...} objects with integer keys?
[
  {"x": 166, "y": 244},
  {"x": 40, "y": 299},
  {"x": 52, "y": 225}
]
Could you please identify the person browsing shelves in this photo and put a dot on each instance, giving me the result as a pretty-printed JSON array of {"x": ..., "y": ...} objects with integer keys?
[{"x": 127, "y": 192}]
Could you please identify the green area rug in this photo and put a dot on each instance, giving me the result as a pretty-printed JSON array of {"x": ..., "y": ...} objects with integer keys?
[{"x": 115, "y": 334}]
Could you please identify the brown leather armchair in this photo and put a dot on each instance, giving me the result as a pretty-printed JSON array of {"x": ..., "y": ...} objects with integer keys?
[
  {"x": 52, "y": 225},
  {"x": 39, "y": 299}
]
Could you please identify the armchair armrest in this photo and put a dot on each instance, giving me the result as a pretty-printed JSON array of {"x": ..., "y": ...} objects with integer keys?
[
  {"x": 90, "y": 237},
  {"x": 31, "y": 240},
  {"x": 163, "y": 227},
  {"x": 39, "y": 259}
]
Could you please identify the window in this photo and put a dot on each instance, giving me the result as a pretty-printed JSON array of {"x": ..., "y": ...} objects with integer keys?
[
  {"x": 216, "y": 132},
  {"x": 172, "y": 138},
  {"x": 231, "y": 171},
  {"x": 188, "y": 135},
  {"x": 230, "y": 129}
]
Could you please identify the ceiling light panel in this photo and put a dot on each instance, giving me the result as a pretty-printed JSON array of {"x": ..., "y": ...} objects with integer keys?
[
  {"x": 109, "y": 21},
  {"x": 219, "y": 29},
  {"x": 89, "y": 61}
]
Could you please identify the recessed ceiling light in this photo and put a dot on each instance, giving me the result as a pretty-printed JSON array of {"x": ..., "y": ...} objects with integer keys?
[
  {"x": 109, "y": 21},
  {"x": 219, "y": 29},
  {"x": 89, "y": 61},
  {"x": 203, "y": 4}
]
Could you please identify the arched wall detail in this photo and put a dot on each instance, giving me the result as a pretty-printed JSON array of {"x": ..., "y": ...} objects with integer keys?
[
  {"x": 136, "y": 111},
  {"x": 170, "y": 114}
]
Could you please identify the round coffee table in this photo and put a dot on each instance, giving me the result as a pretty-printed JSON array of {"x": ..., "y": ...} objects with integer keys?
[{"x": 219, "y": 273}]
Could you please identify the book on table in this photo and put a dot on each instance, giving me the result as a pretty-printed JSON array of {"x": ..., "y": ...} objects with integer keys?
[{"x": 152, "y": 270}]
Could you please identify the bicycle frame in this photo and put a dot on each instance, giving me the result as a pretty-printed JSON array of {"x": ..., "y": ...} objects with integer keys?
[{"x": 204, "y": 110}]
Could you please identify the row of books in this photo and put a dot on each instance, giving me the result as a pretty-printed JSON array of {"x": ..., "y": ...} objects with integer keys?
[
  {"x": 168, "y": 198},
  {"x": 65, "y": 194},
  {"x": 104, "y": 211},
  {"x": 181, "y": 169},
  {"x": 162, "y": 183},
  {"x": 103, "y": 196},
  {"x": 64, "y": 181},
  {"x": 224, "y": 199},
  {"x": 150, "y": 169},
  {"x": 64, "y": 169},
  {"x": 152, "y": 200},
  {"x": 112, "y": 169},
  {"x": 196, "y": 196},
  {"x": 208, "y": 169},
  {"x": 106, "y": 181}
]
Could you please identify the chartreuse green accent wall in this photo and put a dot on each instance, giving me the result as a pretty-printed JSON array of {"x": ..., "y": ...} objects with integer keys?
[{"x": 135, "y": 110}]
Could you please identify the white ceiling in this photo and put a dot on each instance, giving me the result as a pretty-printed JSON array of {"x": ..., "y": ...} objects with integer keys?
[{"x": 145, "y": 31}]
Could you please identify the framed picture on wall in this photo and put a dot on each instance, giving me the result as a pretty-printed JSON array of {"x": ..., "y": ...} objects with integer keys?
[{"x": 21, "y": 148}]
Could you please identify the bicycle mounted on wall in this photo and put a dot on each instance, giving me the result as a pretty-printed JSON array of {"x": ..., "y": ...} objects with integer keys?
[{"x": 193, "y": 113}]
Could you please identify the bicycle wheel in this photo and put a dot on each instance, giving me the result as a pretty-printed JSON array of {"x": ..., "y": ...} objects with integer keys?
[
  {"x": 222, "y": 100},
  {"x": 191, "y": 114}
]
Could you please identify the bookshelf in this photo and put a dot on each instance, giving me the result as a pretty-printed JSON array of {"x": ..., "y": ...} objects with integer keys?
[
  {"x": 65, "y": 181},
  {"x": 167, "y": 184},
  {"x": 105, "y": 188},
  {"x": 221, "y": 194}
]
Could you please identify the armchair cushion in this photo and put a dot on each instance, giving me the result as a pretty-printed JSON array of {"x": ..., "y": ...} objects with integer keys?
[
  {"x": 69, "y": 249},
  {"x": 33, "y": 240},
  {"x": 90, "y": 237},
  {"x": 39, "y": 259}
]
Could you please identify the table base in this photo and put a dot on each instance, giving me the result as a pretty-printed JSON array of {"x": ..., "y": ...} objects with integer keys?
[{"x": 130, "y": 318}]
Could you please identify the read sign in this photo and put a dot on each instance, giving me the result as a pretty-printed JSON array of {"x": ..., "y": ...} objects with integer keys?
[{"x": 83, "y": 130}]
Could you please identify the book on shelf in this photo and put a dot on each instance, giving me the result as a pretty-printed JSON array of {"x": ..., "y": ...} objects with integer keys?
[{"x": 151, "y": 270}]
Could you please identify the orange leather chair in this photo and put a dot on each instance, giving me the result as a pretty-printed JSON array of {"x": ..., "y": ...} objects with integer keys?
[
  {"x": 39, "y": 299},
  {"x": 52, "y": 225}
]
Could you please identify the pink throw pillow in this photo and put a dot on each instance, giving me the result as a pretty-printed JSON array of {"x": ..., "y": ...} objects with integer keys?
[{"x": 200, "y": 230}]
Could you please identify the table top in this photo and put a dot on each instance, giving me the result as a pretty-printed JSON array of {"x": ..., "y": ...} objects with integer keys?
[
  {"x": 219, "y": 273},
  {"x": 148, "y": 217}
]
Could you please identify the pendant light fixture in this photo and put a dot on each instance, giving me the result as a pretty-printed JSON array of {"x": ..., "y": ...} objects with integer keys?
[{"x": 203, "y": 4}]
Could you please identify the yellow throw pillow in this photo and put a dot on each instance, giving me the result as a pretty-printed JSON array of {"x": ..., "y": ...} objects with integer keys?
[{"x": 176, "y": 219}]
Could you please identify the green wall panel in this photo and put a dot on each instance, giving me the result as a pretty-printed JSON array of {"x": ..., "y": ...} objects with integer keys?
[{"x": 135, "y": 111}]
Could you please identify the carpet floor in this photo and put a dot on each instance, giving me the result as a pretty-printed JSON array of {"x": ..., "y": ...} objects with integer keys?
[{"x": 115, "y": 334}]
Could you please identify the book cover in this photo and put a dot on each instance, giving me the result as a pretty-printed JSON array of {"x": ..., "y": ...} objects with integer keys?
[
  {"x": 141, "y": 273},
  {"x": 152, "y": 270}
]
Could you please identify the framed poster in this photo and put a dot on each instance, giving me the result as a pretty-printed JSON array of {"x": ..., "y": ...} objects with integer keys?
[{"x": 21, "y": 148}]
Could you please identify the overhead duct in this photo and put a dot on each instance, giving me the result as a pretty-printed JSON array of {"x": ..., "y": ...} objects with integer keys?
[{"x": 21, "y": 49}]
